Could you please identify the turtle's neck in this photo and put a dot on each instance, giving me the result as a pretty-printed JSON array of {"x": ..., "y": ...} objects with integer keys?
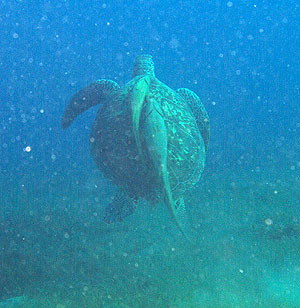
[{"x": 143, "y": 65}]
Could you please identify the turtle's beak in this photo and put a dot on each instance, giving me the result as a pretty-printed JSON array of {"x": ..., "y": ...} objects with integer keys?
[{"x": 139, "y": 94}]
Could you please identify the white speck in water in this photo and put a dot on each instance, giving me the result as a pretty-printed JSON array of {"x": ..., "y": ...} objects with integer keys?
[
  {"x": 268, "y": 221},
  {"x": 28, "y": 149},
  {"x": 15, "y": 35},
  {"x": 229, "y": 4}
]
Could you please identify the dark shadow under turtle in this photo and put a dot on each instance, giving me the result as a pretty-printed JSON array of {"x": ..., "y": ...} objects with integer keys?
[{"x": 150, "y": 140}]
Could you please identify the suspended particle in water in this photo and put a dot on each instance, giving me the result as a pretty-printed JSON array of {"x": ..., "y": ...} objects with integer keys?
[
  {"x": 268, "y": 221},
  {"x": 174, "y": 43},
  {"x": 15, "y": 35},
  {"x": 28, "y": 149},
  {"x": 229, "y": 4}
]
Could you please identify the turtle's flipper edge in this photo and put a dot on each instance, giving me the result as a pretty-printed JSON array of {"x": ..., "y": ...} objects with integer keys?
[
  {"x": 199, "y": 112},
  {"x": 87, "y": 97}
]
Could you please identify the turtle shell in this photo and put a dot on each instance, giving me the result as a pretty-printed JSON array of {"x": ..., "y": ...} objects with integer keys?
[
  {"x": 114, "y": 149},
  {"x": 186, "y": 149},
  {"x": 113, "y": 146}
]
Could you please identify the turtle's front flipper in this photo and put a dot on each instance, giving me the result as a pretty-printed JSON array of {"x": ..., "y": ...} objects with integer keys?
[
  {"x": 120, "y": 207},
  {"x": 138, "y": 95},
  {"x": 199, "y": 112},
  {"x": 91, "y": 95},
  {"x": 156, "y": 139}
]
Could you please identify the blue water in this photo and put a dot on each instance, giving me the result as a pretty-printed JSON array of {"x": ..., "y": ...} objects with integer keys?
[{"x": 242, "y": 58}]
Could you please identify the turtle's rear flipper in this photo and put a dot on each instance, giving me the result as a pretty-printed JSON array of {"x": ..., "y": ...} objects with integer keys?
[
  {"x": 87, "y": 97},
  {"x": 120, "y": 207}
]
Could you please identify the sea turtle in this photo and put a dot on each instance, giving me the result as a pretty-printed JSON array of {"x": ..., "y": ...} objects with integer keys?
[{"x": 150, "y": 140}]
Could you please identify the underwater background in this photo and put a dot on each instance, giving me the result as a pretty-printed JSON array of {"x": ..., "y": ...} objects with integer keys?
[{"x": 242, "y": 58}]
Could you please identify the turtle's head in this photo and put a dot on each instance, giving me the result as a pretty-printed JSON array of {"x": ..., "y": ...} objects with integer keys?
[{"x": 143, "y": 65}]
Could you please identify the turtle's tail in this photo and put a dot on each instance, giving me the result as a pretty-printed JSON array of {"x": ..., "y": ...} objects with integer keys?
[{"x": 87, "y": 97}]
